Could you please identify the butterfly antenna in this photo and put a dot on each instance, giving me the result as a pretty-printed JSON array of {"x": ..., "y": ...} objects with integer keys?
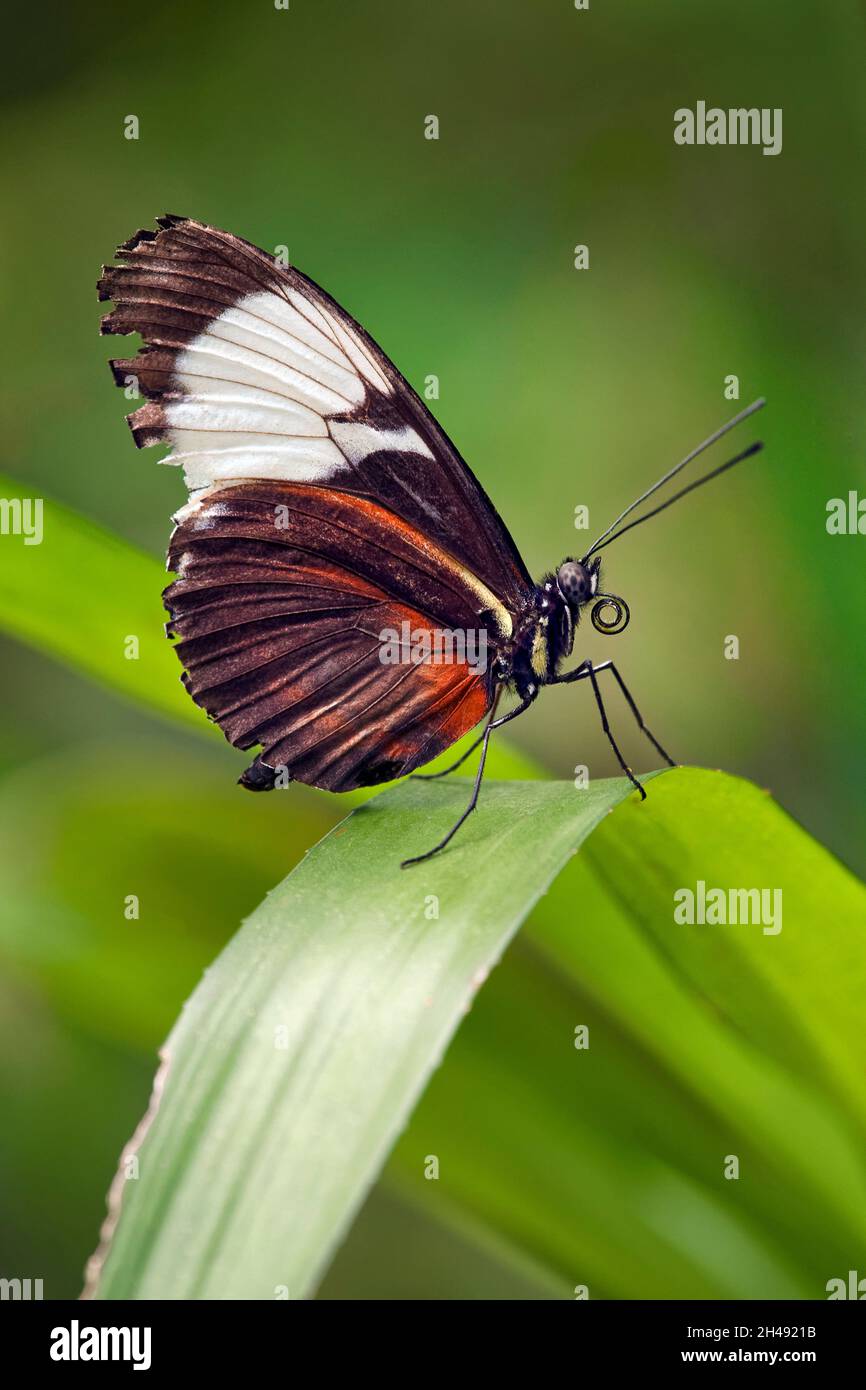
[
  {"x": 672, "y": 472},
  {"x": 699, "y": 482}
]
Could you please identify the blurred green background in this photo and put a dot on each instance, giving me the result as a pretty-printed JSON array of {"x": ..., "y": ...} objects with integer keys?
[{"x": 306, "y": 128}]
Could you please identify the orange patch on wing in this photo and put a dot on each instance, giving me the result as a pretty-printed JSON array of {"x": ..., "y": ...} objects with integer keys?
[{"x": 455, "y": 699}]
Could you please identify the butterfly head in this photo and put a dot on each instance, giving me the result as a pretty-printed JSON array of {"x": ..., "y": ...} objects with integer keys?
[{"x": 578, "y": 584}]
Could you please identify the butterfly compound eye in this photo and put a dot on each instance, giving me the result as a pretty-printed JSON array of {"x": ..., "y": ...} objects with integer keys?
[{"x": 574, "y": 583}]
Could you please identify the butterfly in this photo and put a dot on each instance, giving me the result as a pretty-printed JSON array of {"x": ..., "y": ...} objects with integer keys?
[{"x": 346, "y": 601}]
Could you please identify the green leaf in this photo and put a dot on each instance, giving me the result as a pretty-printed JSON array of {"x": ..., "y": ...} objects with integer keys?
[
  {"x": 602, "y": 1166},
  {"x": 75, "y": 846},
  {"x": 299, "y": 1057},
  {"x": 607, "y": 1165},
  {"x": 80, "y": 595}
]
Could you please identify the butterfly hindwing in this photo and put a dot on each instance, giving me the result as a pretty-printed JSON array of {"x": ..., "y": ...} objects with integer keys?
[{"x": 281, "y": 611}]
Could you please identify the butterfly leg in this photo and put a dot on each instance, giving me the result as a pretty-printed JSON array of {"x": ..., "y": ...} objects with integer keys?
[
  {"x": 610, "y": 666},
  {"x": 473, "y": 800},
  {"x": 432, "y": 776},
  {"x": 586, "y": 671}
]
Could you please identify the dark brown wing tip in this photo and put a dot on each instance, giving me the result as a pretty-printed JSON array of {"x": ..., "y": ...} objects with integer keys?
[
  {"x": 154, "y": 288},
  {"x": 121, "y": 368},
  {"x": 148, "y": 424},
  {"x": 168, "y": 219},
  {"x": 103, "y": 284},
  {"x": 143, "y": 234}
]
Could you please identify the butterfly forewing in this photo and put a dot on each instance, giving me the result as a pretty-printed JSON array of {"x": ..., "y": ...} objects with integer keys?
[
  {"x": 327, "y": 506},
  {"x": 255, "y": 372}
]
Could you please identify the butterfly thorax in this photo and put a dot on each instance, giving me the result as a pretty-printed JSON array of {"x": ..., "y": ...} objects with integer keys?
[{"x": 543, "y": 636}]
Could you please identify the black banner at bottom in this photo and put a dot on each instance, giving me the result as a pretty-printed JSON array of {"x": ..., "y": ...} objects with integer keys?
[{"x": 156, "y": 1337}]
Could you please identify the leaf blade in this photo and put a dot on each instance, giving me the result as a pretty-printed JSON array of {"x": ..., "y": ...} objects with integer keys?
[
  {"x": 80, "y": 594},
  {"x": 361, "y": 962}
]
